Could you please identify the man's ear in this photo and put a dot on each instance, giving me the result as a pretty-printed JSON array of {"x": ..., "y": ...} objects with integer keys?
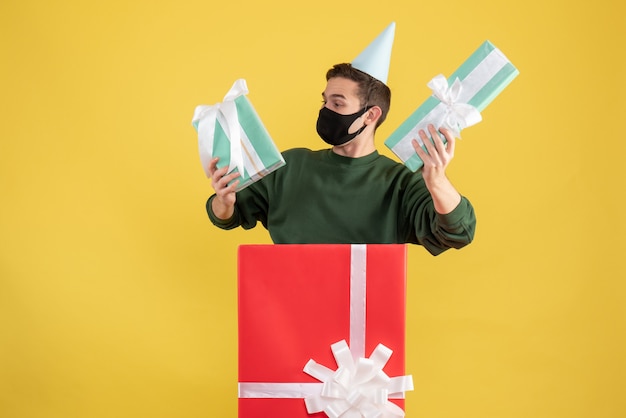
[{"x": 373, "y": 114}]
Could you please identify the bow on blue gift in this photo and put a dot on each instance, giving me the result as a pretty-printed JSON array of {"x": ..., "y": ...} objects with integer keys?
[
  {"x": 457, "y": 115},
  {"x": 225, "y": 113}
]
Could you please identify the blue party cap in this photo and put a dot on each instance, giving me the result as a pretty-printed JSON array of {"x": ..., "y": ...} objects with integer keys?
[{"x": 374, "y": 60}]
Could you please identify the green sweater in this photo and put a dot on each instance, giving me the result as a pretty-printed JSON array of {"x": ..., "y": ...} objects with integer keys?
[{"x": 320, "y": 197}]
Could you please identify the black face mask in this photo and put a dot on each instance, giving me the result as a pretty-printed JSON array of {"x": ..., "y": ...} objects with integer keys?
[{"x": 333, "y": 127}]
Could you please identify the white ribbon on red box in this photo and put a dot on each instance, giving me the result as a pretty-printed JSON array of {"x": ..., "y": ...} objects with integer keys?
[{"x": 359, "y": 387}]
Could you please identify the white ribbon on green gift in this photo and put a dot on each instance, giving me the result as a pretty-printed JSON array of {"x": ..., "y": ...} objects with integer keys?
[
  {"x": 358, "y": 387},
  {"x": 225, "y": 113},
  {"x": 456, "y": 115},
  {"x": 468, "y": 87}
]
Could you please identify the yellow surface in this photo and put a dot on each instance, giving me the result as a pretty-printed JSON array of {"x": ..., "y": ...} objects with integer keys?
[{"x": 118, "y": 297}]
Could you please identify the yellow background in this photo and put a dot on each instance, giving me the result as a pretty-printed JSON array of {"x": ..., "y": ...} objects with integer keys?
[{"x": 118, "y": 297}]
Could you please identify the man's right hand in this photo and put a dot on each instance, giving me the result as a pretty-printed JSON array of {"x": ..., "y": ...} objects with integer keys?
[{"x": 223, "y": 205}]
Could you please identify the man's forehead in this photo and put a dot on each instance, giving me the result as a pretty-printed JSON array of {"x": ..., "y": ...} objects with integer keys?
[{"x": 339, "y": 87}]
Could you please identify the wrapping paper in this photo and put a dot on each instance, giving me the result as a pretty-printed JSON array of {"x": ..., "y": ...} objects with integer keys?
[
  {"x": 456, "y": 101},
  {"x": 233, "y": 131},
  {"x": 296, "y": 301}
]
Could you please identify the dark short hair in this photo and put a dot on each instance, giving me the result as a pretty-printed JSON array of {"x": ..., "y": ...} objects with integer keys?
[{"x": 371, "y": 91}]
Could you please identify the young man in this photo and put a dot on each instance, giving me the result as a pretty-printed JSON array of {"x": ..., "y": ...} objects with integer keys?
[{"x": 349, "y": 193}]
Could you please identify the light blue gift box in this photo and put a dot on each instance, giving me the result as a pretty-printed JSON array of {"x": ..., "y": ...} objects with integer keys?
[
  {"x": 216, "y": 126},
  {"x": 483, "y": 76}
]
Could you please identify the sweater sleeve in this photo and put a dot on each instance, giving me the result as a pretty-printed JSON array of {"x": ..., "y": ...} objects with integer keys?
[
  {"x": 453, "y": 230},
  {"x": 221, "y": 223},
  {"x": 250, "y": 208},
  {"x": 434, "y": 231}
]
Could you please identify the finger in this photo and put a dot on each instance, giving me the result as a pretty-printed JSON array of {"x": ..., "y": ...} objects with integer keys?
[
  {"x": 216, "y": 178},
  {"x": 438, "y": 142},
  {"x": 421, "y": 145},
  {"x": 419, "y": 150},
  {"x": 220, "y": 173},
  {"x": 431, "y": 148},
  {"x": 213, "y": 166},
  {"x": 230, "y": 177},
  {"x": 222, "y": 182},
  {"x": 432, "y": 133},
  {"x": 224, "y": 185},
  {"x": 232, "y": 187},
  {"x": 451, "y": 144}
]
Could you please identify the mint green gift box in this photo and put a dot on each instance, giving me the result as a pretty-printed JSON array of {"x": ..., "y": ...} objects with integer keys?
[
  {"x": 482, "y": 77},
  {"x": 233, "y": 131}
]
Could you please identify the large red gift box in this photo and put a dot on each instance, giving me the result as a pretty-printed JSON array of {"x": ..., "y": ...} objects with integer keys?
[{"x": 295, "y": 301}]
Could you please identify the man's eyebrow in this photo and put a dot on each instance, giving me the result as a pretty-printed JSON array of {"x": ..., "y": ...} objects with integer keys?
[{"x": 334, "y": 96}]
